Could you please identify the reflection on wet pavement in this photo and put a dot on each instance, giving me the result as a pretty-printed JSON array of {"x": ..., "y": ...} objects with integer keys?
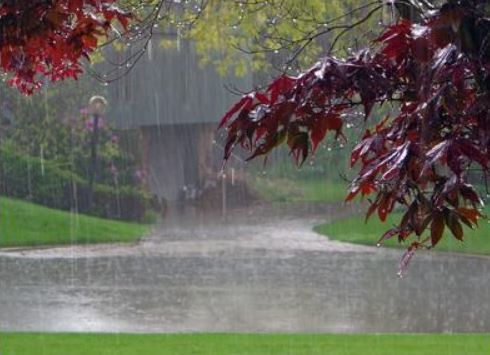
[{"x": 260, "y": 270}]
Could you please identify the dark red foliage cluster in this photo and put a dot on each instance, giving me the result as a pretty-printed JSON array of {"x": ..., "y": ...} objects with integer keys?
[
  {"x": 437, "y": 73},
  {"x": 49, "y": 38}
]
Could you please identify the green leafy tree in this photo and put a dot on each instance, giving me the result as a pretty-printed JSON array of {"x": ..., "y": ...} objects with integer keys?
[{"x": 239, "y": 36}]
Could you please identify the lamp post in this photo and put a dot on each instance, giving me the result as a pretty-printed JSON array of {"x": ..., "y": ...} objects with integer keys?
[
  {"x": 6, "y": 119},
  {"x": 96, "y": 107}
]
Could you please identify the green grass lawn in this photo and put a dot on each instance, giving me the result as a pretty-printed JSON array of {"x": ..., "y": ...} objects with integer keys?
[
  {"x": 298, "y": 190},
  {"x": 355, "y": 230},
  {"x": 27, "y": 224},
  {"x": 243, "y": 344}
]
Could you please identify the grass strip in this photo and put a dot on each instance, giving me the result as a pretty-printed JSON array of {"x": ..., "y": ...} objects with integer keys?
[
  {"x": 355, "y": 230},
  {"x": 27, "y": 224},
  {"x": 244, "y": 344}
]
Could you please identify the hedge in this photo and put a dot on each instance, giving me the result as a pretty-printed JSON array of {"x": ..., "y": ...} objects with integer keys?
[{"x": 48, "y": 184}]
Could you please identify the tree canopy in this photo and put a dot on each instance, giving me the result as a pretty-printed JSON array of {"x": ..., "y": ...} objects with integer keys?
[
  {"x": 48, "y": 39},
  {"x": 433, "y": 69}
]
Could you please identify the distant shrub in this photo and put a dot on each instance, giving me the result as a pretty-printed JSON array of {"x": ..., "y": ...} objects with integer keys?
[{"x": 150, "y": 217}]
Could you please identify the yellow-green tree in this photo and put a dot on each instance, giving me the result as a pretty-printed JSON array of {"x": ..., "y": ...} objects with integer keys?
[{"x": 257, "y": 35}]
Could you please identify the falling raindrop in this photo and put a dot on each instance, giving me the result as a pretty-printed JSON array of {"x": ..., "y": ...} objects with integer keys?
[
  {"x": 149, "y": 52},
  {"x": 42, "y": 161},
  {"x": 179, "y": 37}
]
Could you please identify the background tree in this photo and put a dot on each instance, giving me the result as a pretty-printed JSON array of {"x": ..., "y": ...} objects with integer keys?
[{"x": 256, "y": 35}]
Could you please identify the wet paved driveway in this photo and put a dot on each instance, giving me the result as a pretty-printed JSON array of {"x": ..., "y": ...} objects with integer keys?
[{"x": 258, "y": 272}]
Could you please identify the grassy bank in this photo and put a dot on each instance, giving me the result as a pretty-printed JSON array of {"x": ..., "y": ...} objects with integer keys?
[
  {"x": 244, "y": 344},
  {"x": 298, "y": 190},
  {"x": 27, "y": 224},
  {"x": 355, "y": 230}
]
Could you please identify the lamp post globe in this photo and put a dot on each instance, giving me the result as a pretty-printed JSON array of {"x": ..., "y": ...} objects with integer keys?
[{"x": 97, "y": 105}]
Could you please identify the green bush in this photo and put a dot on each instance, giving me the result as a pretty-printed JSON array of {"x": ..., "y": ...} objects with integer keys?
[{"x": 46, "y": 183}]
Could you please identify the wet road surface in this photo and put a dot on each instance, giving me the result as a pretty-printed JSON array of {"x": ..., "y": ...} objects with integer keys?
[{"x": 261, "y": 270}]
